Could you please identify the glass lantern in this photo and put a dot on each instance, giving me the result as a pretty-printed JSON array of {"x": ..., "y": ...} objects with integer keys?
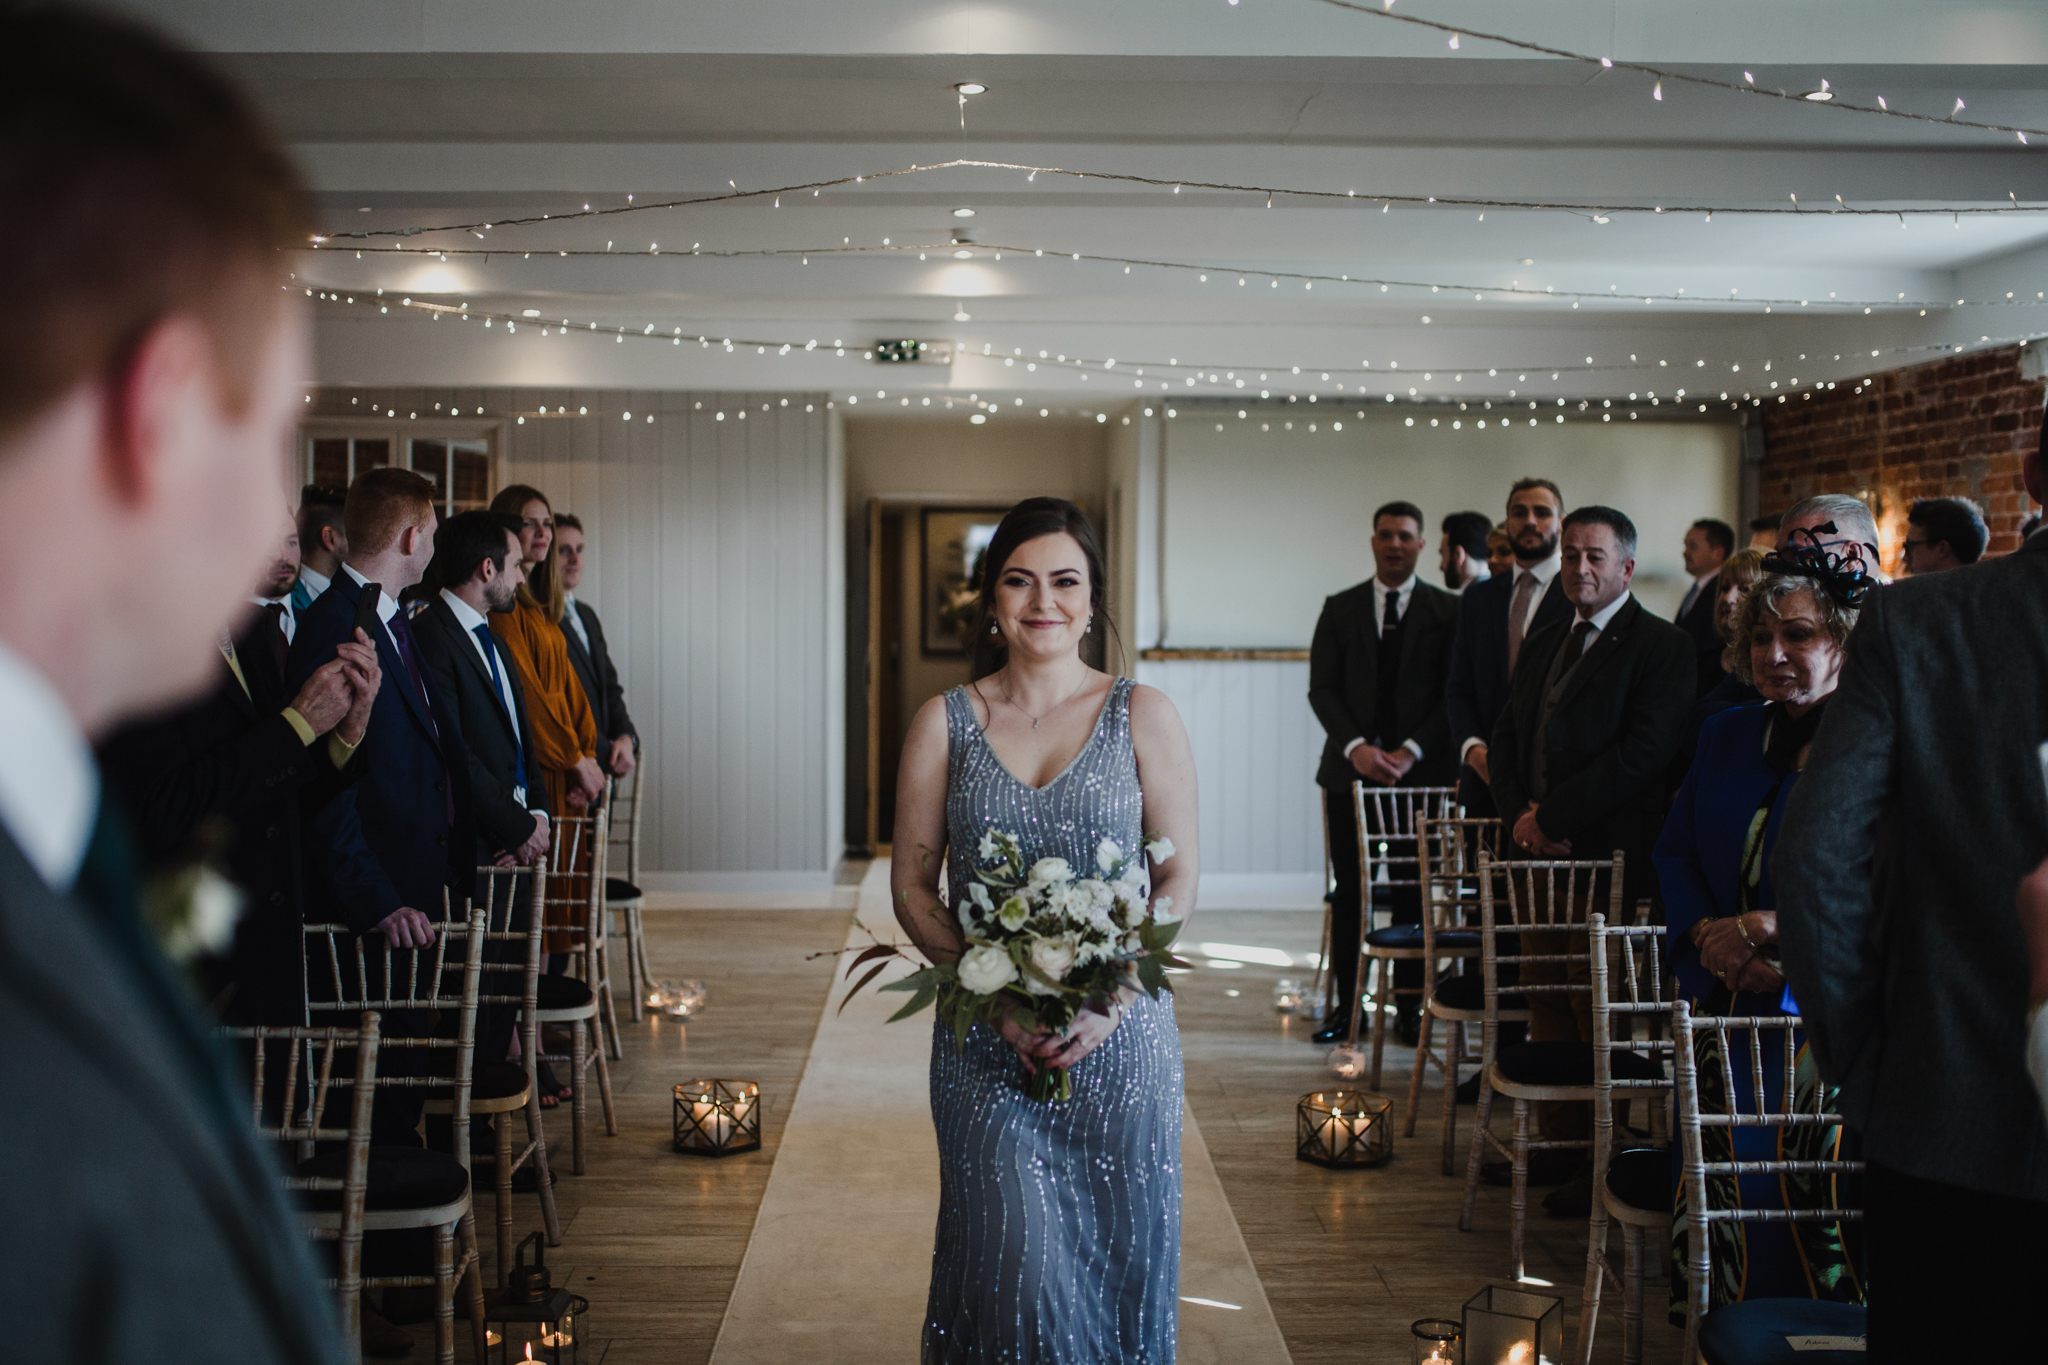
[
  {"x": 717, "y": 1118},
  {"x": 1287, "y": 994},
  {"x": 1347, "y": 1063},
  {"x": 1344, "y": 1128},
  {"x": 1436, "y": 1341},
  {"x": 1513, "y": 1327},
  {"x": 532, "y": 1318}
]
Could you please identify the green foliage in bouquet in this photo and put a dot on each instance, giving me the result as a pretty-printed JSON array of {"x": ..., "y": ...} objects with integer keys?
[{"x": 1043, "y": 945}]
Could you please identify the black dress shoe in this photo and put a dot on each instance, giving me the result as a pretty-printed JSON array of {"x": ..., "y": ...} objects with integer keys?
[{"x": 1336, "y": 1025}]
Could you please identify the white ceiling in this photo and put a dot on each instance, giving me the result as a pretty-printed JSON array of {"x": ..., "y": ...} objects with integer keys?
[{"x": 438, "y": 113}]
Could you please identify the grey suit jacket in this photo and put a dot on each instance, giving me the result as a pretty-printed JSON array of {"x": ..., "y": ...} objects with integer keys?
[
  {"x": 1920, "y": 809},
  {"x": 139, "y": 1226}
]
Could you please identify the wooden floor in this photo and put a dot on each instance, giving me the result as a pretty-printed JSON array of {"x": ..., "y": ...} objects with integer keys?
[{"x": 1349, "y": 1258}]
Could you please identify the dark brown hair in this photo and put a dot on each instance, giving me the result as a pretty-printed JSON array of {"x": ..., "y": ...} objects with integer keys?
[
  {"x": 136, "y": 184},
  {"x": 543, "y": 585},
  {"x": 1027, "y": 521}
]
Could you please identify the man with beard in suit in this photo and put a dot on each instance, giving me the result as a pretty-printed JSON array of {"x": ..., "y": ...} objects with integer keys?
[
  {"x": 1494, "y": 618},
  {"x": 1597, "y": 709},
  {"x": 1376, "y": 682},
  {"x": 592, "y": 657},
  {"x": 1708, "y": 543}
]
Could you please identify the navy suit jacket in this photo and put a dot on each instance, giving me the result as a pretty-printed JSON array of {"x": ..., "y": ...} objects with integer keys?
[
  {"x": 383, "y": 840},
  {"x": 1478, "y": 688},
  {"x": 1699, "y": 623}
]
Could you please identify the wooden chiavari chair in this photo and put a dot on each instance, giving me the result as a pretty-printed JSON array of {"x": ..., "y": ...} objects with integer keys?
[
  {"x": 1546, "y": 900},
  {"x": 1725, "y": 1336},
  {"x": 575, "y": 901},
  {"x": 1450, "y": 877},
  {"x": 1389, "y": 820},
  {"x": 302, "y": 1124},
  {"x": 1632, "y": 1188},
  {"x": 508, "y": 898},
  {"x": 414, "y": 1187},
  {"x": 622, "y": 894}
]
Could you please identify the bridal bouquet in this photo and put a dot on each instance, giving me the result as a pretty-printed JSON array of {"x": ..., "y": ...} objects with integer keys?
[{"x": 1044, "y": 944}]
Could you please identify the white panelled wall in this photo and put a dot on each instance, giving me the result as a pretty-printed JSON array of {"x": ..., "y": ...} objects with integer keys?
[{"x": 715, "y": 563}]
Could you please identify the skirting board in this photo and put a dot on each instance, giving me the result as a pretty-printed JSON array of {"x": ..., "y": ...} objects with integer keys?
[{"x": 744, "y": 891}]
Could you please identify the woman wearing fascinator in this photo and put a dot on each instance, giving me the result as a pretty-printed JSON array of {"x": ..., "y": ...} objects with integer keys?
[{"x": 1713, "y": 862}]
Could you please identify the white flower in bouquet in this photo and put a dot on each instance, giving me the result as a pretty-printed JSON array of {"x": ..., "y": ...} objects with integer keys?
[
  {"x": 1047, "y": 871},
  {"x": 980, "y": 905},
  {"x": 1161, "y": 849},
  {"x": 987, "y": 849},
  {"x": 1069, "y": 899},
  {"x": 1108, "y": 854},
  {"x": 1134, "y": 942},
  {"x": 1134, "y": 912},
  {"x": 1054, "y": 957},
  {"x": 1013, "y": 912},
  {"x": 986, "y": 969},
  {"x": 1162, "y": 910},
  {"x": 1096, "y": 908}
]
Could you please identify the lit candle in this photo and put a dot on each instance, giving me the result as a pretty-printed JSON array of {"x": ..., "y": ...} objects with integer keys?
[{"x": 716, "y": 1123}]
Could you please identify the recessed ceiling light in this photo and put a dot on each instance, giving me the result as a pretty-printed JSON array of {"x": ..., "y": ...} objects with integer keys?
[
  {"x": 963, "y": 213},
  {"x": 963, "y": 255},
  {"x": 971, "y": 88}
]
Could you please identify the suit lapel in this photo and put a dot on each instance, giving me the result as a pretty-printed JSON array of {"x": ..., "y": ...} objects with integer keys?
[
  {"x": 463, "y": 646},
  {"x": 1600, "y": 652},
  {"x": 389, "y": 659}
]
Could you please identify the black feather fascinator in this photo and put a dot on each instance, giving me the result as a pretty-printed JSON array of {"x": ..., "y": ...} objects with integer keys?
[{"x": 1841, "y": 578}]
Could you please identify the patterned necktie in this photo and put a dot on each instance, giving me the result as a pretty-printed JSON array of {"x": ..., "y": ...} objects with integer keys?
[{"x": 1518, "y": 616}]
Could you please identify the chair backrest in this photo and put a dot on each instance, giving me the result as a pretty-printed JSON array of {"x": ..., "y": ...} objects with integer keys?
[
  {"x": 1629, "y": 983},
  {"x": 573, "y": 890},
  {"x": 1389, "y": 821},
  {"x": 507, "y": 898},
  {"x": 302, "y": 1121},
  {"x": 356, "y": 972},
  {"x": 1761, "y": 1045},
  {"x": 1551, "y": 895},
  {"x": 1449, "y": 847},
  {"x": 623, "y": 808}
]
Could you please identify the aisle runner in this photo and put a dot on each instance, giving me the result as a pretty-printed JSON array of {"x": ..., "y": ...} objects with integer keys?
[{"x": 838, "y": 1264}]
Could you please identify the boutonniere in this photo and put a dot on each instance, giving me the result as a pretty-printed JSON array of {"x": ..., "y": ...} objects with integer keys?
[{"x": 192, "y": 910}]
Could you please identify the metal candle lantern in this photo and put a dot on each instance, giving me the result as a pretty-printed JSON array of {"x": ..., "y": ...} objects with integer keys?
[
  {"x": 716, "y": 1118},
  {"x": 1513, "y": 1327},
  {"x": 532, "y": 1317},
  {"x": 1344, "y": 1128},
  {"x": 1436, "y": 1341}
]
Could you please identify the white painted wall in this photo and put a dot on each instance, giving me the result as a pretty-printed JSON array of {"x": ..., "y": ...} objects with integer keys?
[
  {"x": 1261, "y": 526},
  {"x": 716, "y": 565}
]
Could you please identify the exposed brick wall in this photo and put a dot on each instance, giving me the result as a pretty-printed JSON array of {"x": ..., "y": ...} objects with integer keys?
[{"x": 1956, "y": 426}]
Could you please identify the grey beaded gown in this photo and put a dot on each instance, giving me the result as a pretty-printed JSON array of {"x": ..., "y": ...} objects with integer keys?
[{"x": 1059, "y": 1224}]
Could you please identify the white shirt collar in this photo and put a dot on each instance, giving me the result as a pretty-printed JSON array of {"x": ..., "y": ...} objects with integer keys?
[
  {"x": 1401, "y": 589},
  {"x": 1606, "y": 613},
  {"x": 315, "y": 581},
  {"x": 469, "y": 616},
  {"x": 49, "y": 785},
  {"x": 387, "y": 605},
  {"x": 1545, "y": 571},
  {"x": 569, "y": 599},
  {"x": 1706, "y": 580}
]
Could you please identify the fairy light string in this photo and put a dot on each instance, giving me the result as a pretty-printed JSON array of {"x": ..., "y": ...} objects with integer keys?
[{"x": 1824, "y": 97}]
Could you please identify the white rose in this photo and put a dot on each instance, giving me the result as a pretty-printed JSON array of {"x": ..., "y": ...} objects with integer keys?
[
  {"x": 1013, "y": 912},
  {"x": 1054, "y": 957},
  {"x": 1108, "y": 854},
  {"x": 1046, "y": 871},
  {"x": 986, "y": 969},
  {"x": 1161, "y": 849}
]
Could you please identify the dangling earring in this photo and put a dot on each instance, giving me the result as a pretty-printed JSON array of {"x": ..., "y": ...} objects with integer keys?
[
  {"x": 1090, "y": 627},
  {"x": 992, "y": 629}
]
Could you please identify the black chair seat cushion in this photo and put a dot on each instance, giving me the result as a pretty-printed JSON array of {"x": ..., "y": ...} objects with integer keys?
[
  {"x": 1641, "y": 1178},
  {"x": 561, "y": 993},
  {"x": 496, "y": 1080},
  {"x": 1570, "y": 1064},
  {"x": 400, "y": 1178},
  {"x": 1468, "y": 992},
  {"x": 1410, "y": 936},
  {"x": 619, "y": 889},
  {"x": 1754, "y": 1332}
]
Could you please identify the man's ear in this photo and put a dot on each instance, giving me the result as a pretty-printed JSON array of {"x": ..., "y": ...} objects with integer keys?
[{"x": 147, "y": 400}]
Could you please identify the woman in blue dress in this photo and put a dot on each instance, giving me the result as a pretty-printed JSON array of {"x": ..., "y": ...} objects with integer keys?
[
  {"x": 1713, "y": 862},
  {"x": 1059, "y": 1221}
]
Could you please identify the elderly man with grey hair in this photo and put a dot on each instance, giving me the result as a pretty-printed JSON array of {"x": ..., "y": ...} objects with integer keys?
[
  {"x": 1855, "y": 530},
  {"x": 1920, "y": 814}
]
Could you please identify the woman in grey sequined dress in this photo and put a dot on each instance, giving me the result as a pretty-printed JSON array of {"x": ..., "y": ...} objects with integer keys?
[{"x": 1059, "y": 1223}]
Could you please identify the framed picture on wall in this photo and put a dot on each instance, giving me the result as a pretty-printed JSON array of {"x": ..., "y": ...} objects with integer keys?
[{"x": 952, "y": 541}]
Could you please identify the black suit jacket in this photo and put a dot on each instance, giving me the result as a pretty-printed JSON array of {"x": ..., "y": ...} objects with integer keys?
[
  {"x": 230, "y": 759},
  {"x": 1920, "y": 810},
  {"x": 473, "y": 709},
  {"x": 1343, "y": 682},
  {"x": 1699, "y": 624},
  {"x": 1616, "y": 726},
  {"x": 1477, "y": 689},
  {"x": 385, "y": 839},
  {"x": 600, "y": 677},
  {"x": 145, "y": 1221}
]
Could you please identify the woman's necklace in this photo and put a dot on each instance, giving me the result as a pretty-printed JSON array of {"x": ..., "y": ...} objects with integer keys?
[{"x": 1050, "y": 709}]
